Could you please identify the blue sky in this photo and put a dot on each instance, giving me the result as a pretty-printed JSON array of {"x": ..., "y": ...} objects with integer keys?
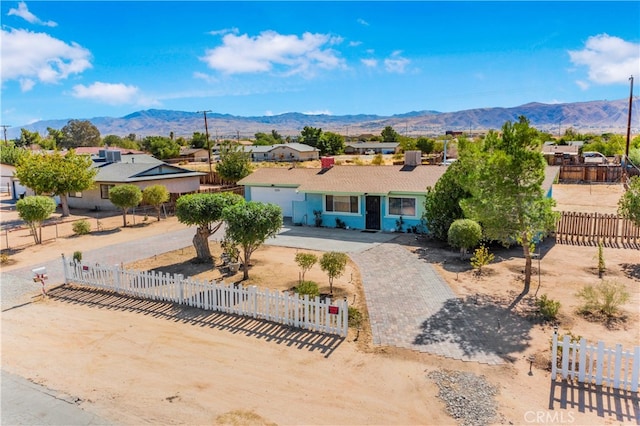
[{"x": 86, "y": 59}]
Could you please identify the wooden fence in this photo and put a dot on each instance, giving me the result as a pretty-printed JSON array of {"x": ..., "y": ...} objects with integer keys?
[
  {"x": 316, "y": 314},
  {"x": 586, "y": 363},
  {"x": 591, "y": 228},
  {"x": 593, "y": 173}
]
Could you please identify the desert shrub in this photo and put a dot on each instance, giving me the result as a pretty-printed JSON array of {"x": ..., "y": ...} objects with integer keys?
[
  {"x": 464, "y": 234},
  {"x": 481, "y": 258},
  {"x": 4, "y": 258},
  {"x": 377, "y": 160},
  {"x": 605, "y": 298},
  {"x": 355, "y": 317},
  {"x": 81, "y": 227},
  {"x": 340, "y": 223},
  {"x": 77, "y": 256},
  {"x": 548, "y": 307},
  {"x": 308, "y": 287}
]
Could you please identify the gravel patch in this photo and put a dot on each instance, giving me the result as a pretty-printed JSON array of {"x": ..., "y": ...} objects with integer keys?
[{"x": 469, "y": 398}]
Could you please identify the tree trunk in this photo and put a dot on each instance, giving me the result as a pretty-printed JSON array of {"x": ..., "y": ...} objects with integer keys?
[
  {"x": 245, "y": 264},
  {"x": 201, "y": 244},
  {"x": 158, "y": 211},
  {"x": 527, "y": 264},
  {"x": 124, "y": 217},
  {"x": 64, "y": 202}
]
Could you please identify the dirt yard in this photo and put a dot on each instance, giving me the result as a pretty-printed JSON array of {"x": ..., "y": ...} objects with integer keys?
[{"x": 139, "y": 362}]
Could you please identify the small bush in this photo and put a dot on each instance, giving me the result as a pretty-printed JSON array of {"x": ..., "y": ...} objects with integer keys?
[
  {"x": 355, "y": 317},
  {"x": 378, "y": 160},
  {"x": 604, "y": 298},
  {"x": 4, "y": 258},
  {"x": 548, "y": 307},
  {"x": 81, "y": 227},
  {"x": 481, "y": 258},
  {"x": 308, "y": 287},
  {"x": 77, "y": 256},
  {"x": 340, "y": 223}
]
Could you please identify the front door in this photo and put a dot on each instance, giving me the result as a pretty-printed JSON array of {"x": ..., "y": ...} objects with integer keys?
[{"x": 372, "y": 218}]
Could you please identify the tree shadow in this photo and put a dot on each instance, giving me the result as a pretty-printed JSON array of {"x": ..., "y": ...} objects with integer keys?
[
  {"x": 477, "y": 327},
  {"x": 631, "y": 270},
  {"x": 622, "y": 405},
  {"x": 187, "y": 268}
]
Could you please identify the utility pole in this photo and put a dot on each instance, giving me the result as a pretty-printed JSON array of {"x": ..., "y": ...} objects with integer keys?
[
  {"x": 626, "y": 151},
  {"x": 4, "y": 127},
  {"x": 206, "y": 134}
]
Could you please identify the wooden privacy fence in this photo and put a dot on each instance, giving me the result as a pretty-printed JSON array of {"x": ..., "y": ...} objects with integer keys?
[
  {"x": 325, "y": 316},
  {"x": 591, "y": 228},
  {"x": 587, "y": 363}
]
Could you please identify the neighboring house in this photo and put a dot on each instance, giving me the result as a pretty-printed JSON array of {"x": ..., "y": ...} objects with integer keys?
[
  {"x": 194, "y": 154},
  {"x": 561, "y": 154},
  {"x": 283, "y": 152},
  {"x": 360, "y": 148},
  {"x": 139, "y": 169},
  {"x": 9, "y": 184},
  {"x": 363, "y": 197}
]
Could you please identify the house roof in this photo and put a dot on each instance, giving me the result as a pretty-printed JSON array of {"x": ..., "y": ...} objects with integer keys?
[
  {"x": 564, "y": 149},
  {"x": 136, "y": 172},
  {"x": 300, "y": 147},
  {"x": 95, "y": 149},
  {"x": 349, "y": 179},
  {"x": 189, "y": 151},
  {"x": 367, "y": 145}
]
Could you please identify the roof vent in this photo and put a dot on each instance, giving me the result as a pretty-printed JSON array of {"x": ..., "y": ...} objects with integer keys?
[
  {"x": 327, "y": 162},
  {"x": 412, "y": 158}
]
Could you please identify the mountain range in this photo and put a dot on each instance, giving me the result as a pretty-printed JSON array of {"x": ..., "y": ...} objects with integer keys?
[{"x": 584, "y": 117}]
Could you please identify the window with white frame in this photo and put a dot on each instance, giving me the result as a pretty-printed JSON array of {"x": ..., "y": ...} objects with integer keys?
[
  {"x": 342, "y": 203},
  {"x": 400, "y": 206},
  {"x": 75, "y": 195}
]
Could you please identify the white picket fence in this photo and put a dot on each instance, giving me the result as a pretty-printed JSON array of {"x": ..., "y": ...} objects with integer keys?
[
  {"x": 324, "y": 316},
  {"x": 587, "y": 363}
]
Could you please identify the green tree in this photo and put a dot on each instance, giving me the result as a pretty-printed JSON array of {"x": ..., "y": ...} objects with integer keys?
[
  {"x": 34, "y": 210},
  {"x": 205, "y": 212},
  {"x": 112, "y": 140},
  {"x": 505, "y": 181},
  {"x": 426, "y": 145},
  {"x": 464, "y": 234},
  {"x": 125, "y": 196},
  {"x": 28, "y": 138},
  {"x": 155, "y": 195},
  {"x": 249, "y": 225},
  {"x": 331, "y": 144},
  {"x": 199, "y": 140},
  {"x": 234, "y": 162},
  {"x": 80, "y": 133},
  {"x": 264, "y": 139},
  {"x": 334, "y": 264},
  {"x": 57, "y": 174},
  {"x": 161, "y": 147},
  {"x": 56, "y": 136},
  {"x": 629, "y": 203},
  {"x": 11, "y": 154},
  {"x": 310, "y": 136},
  {"x": 442, "y": 202},
  {"x": 305, "y": 261},
  {"x": 389, "y": 135}
]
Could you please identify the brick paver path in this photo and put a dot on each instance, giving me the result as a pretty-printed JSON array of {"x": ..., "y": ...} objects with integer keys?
[{"x": 411, "y": 306}]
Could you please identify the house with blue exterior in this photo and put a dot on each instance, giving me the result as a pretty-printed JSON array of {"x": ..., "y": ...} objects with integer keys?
[{"x": 360, "y": 197}]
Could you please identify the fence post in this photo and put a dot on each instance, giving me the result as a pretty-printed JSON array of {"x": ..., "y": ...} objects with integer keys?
[
  {"x": 180, "y": 289},
  {"x": 345, "y": 317},
  {"x": 635, "y": 374},
  {"x": 582, "y": 368},
  {"x": 566, "y": 351},
  {"x": 254, "y": 293},
  {"x": 65, "y": 268},
  {"x": 554, "y": 356},
  {"x": 599, "y": 363},
  {"x": 618, "y": 363}
]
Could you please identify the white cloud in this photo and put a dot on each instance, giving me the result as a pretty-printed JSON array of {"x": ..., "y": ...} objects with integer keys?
[
  {"x": 225, "y": 31},
  {"x": 609, "y": 59},
  {"x": 371, "y": 63},
  {"x": 319, "y": 112},
  {"x": 363, "y": 22},
  {"x": 205, "y": 77},
  {"x": 110, "y": 93},
  {"x": 396, "y": 63},
  {"x": 30, "y": 57},
  {"x": 270, "y": 51},
  {"x": 23, "y": 12},
  {"x": 354, "y": 43},
  {"x": 582, "y": 84}
]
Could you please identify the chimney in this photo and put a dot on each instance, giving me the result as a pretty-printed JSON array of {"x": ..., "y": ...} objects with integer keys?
[
  {"x": 412, "y": 158},
  {"x": 327, "y": 162}
]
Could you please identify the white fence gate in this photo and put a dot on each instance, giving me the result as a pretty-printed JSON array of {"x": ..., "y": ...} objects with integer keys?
[
  {"x": 615, "y": 368},
  {"x": 325, "y": 316}
]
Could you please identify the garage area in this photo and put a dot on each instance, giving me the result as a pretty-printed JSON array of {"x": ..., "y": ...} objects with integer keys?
[{"x": 284, "y": 197}]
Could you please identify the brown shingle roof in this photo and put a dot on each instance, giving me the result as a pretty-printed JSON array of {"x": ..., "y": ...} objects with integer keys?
[{"x": 349, "y": 179}]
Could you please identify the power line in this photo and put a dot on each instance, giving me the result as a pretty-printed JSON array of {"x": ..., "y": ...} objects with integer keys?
[{"x": 206, "y": 135}]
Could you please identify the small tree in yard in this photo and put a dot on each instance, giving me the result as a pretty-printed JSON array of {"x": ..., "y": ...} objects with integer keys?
[
  {"x": 204, "y": 211},
  {"x": 464, "y": 234},
  {"x": 305, "y": 261},
  {"x": 629, "y": 204},
  {"x": 249, "y": 225},
  {"x": 34, "y": 210},
  {"x": 604, "y": 298},
  {"x": 155, "y": 195},
  {"x": 125, "y": 196},
  {"x": 481, "y": 258},
  {"x": 333, "y": 263},
  {"x": 234, "y": 163}
]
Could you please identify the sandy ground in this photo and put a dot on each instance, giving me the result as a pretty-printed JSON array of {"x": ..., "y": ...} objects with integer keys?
[{"x": 138, "y": 362}]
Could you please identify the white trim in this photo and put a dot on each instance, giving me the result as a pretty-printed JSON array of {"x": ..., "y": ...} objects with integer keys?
[
  {"x": 415, "y": 199},
  {"x": 333, "y": 212}
]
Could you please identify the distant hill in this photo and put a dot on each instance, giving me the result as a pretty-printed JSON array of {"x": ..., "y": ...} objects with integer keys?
[{"x": 594, "y": 116}]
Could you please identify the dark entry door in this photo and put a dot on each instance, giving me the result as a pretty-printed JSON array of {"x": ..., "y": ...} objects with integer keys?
[{"x": 372, "y": 218}]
